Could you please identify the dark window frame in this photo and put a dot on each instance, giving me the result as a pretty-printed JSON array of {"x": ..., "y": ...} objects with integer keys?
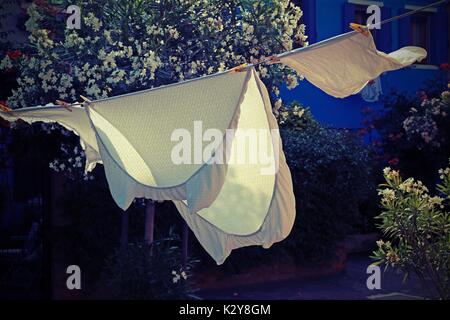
[{"x": 426, "y": 43}]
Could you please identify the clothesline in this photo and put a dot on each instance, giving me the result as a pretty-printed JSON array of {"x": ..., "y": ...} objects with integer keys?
[
  {"x": 407, "y": 14},
  {"x": 267, "y": 60},
  {"x": 227, "y": 204},
  {"x": 275, "y": 58},
  {"x": 398, "y": 17}
]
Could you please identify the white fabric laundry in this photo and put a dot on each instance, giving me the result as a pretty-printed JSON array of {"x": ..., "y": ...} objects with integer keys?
[
  {"x": 228, "y": 204},
  {"x": 372, "y": 91},
  {"x": 343, "y": 65}
]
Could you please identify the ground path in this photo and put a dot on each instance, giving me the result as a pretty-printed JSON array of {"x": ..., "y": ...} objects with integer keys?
[{"x": 349, "y": 284}]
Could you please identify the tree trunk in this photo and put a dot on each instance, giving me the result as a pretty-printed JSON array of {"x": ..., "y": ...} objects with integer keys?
[{"x": 149, "y": 222}]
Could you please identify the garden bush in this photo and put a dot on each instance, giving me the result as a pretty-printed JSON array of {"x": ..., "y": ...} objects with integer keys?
[
  {"x": 331, "y": 172},
  {"x": 94, "y": 229},
  {"x": 417, "y": 224},
  {"x": 414, "y": 132},
  {"x": 148, "y": 272}
]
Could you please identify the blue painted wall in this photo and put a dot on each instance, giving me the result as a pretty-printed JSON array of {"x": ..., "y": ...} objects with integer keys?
[{"x": 328, "y": 18}]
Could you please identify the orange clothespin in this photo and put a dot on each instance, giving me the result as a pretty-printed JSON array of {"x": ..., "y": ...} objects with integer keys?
[
  {"x": 360, "y": 28},
  {"x": 272, "y": 60},
  {"x": 63, "y": 104},
  {"x": 239, "y": 68},
  {"x": 4, "y": 107}
]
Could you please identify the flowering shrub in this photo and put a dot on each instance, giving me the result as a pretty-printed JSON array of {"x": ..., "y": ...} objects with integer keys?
[
  {"x": 414, "y": 133},
  {"x": 419, "y": 226},
  {"x": 125, "y": 46},
  {"x": 70, "y": 160},
  {"x": 422, "y": 124},
  {"x": 295, "y": 116}
]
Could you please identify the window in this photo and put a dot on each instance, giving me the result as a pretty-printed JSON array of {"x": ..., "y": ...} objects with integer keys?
[
  {"x": 420, "y": 32},
  {"x": 355, "y": 11},
  {"x": 361, "y": 17}
]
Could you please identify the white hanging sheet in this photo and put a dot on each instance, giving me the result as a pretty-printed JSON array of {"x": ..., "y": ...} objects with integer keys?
[
  {"x": 231, "y": 204},
  {"x": 343, "y": 65}
]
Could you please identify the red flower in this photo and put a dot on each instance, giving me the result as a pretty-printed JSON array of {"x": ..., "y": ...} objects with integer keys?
[
  {"x": 393, "y": 162},
  {"x": 445, "y": 66},
  {"x": 14, "y": 54},
  {"x": 423, "y": 96}
]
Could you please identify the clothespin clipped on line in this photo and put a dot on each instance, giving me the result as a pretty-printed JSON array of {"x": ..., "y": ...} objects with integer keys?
[
  {"x": 360, "y": 28},
  {"x": 269, "y": 60},
  {"x": 5, "y": 108},
  {"x": 86, "y": 100},
  {"x": 272, "y": 60},
  {"x": 63, "y": 104},
  {"x": 239, "y": 68}
]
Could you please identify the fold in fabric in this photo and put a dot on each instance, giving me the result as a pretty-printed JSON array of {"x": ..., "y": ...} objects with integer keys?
[
  {"x": 76, "y": 121},
  {"x": 135, "y": 137},
  {"x": 227, "y": 205},
  {"x": 242, "y": 200},
  {"x": 280, "y": 215},
  {"x": 343, "y": 65}
]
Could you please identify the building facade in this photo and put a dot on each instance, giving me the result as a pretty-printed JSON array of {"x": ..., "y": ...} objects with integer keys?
[{"x": 327, "y": 18}]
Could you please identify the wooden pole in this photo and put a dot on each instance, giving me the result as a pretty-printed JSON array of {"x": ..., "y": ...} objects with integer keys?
[
  {"x": 184, "y": 245},
  {"x": 149, "y": 222}
]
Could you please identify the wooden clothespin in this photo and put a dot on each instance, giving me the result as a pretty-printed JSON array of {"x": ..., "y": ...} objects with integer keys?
[
  {"x": 239, "y": 68},
  {"x": 63, "y": 104},
  {"x": 272, "y": 60},
  {"x": 360, "y": 28},
  {"x": 86, "y": 100},
  {"x": 5, "y": 108}
]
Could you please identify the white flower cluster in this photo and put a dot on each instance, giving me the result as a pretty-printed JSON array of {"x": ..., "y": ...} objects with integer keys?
[
  {"x": 92, "y": 21},
  {"x": 423, "y": 120},
  {"x": 444, "y": 173},
  {"x": 178, "y": 276},
  {"x": 72, "y": 163},
  {"x": 409, "y": 188}
]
